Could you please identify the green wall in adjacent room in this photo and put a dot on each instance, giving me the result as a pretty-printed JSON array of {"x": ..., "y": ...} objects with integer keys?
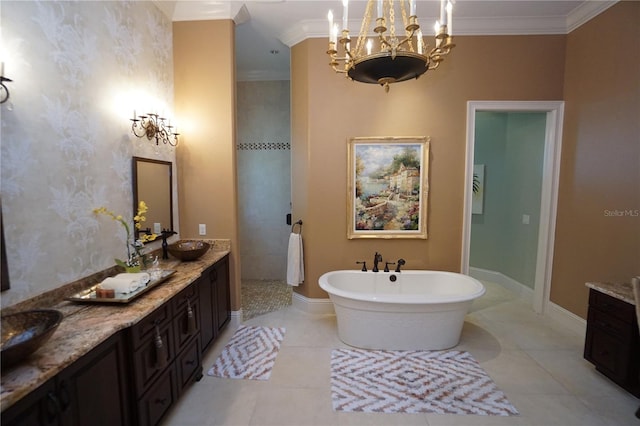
[{"x": 511, "y": 147}]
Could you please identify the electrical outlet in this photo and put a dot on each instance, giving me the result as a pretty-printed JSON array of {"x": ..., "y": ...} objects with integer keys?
[
  {"x": 202, "y": 229},
  {"x": 157, "y": 228},
  {"x": 525, "y": 219}
]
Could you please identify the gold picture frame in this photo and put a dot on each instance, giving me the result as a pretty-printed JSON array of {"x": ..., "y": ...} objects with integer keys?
[{"x": 388, "y": 187}]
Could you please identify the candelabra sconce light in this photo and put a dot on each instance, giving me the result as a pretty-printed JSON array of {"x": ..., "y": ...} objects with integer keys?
[
  {"x": 154, "y": 127},
  {"x": 4, "y": 91},
  {"x": 388, "y": 57}
]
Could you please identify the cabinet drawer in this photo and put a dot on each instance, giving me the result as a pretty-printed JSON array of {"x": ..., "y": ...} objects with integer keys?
[
  {"x": 190, "y": 293},
  {"x": 190, "y": 364},
  {"x": 186, "y": 323},
  {"x": 146, "y": 327},
  {"x": 609, "y": 324},
  {"x": 155, "y": 404},
  {"x": 148, "y": 363},
  {"x": 610, "y": 305}
]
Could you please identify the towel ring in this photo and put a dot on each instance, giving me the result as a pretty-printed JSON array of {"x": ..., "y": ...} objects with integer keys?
[{"x": 299, "y": 222}]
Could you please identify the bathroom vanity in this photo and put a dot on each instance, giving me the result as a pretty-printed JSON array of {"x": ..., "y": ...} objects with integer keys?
[
  {"x": 123, "y": 364},
  {"x": 612, "y": 342}
]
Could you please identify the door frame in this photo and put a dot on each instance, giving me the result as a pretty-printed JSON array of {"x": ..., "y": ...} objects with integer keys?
[{"x": 550, "y": 183}]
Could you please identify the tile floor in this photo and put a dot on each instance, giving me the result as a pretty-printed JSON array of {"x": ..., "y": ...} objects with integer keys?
[
  {"x": 262, "y": 296},
  {"x": 536, "y": 362}
]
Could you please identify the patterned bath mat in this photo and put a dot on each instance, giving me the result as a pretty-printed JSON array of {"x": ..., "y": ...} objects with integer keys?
[
  {"x": 442, "y": 382},
  {"x": 250, "y": 354}
]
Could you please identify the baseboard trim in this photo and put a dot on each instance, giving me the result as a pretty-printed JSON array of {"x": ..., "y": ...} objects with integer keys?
[
  {"x": 556, "y": 312},
  {"x": 505, "y": 281},
  {"x": 312, "y": 306},
  {"x": 567, "y": 318},
  {"x": 236, "y": 318}
]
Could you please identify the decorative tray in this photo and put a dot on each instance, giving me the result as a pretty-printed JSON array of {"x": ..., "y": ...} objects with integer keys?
[{"x": 89, "y": 295}]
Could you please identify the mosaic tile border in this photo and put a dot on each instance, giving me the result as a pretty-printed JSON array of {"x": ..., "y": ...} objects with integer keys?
[{"x": 262, "y": 146}]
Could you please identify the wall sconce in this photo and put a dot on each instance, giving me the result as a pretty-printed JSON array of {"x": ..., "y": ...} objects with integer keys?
[
  {"x": 153, "y": 126},
  {"x": 4, "y": 92}
]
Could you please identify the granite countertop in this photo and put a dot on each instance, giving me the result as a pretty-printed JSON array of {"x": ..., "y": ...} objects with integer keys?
[
  {"x": 621, "y": 291},
  {"x": 85, "y": 326}
]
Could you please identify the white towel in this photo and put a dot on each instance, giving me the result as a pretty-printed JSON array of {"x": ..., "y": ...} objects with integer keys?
[
  {"x": 142, "y": 277},
  {"x": 125, "y": 283},
  {"x": 295, "y": 260}
]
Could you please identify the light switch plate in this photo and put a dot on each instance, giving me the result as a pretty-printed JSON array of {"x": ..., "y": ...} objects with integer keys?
[
  {"x": 202, "y": 229},
  {"x": 525, "y": 219},
  {"x": 156, "y": 228}
]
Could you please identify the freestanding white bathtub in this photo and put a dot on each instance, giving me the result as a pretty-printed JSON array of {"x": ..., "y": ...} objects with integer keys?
[{"x": 409, "y": 310}]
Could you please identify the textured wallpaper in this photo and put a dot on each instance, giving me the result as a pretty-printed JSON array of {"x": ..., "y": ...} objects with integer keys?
[{"x": 79, "y": 69}]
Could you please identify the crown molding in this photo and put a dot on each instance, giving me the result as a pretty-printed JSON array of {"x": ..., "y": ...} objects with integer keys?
[
  {"x": 166, "y": 7},
  {"x": 205, "y": 11},
  {"x": 317, "y": 28},
  {"x": 587, "y": 11}
]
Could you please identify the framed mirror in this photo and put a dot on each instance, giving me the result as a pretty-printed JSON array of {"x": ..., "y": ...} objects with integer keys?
[{"x": 152, "y": 183}]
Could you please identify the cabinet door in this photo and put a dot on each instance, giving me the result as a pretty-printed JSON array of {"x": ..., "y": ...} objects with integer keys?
[
  {"x": 95, "y": 389},
  {"x": 222, "y": 294},
  {"x": 157, "y": 401},
  {"x": 40, "y": 407},
  {"x": 206, "y": 309},
  {"x": 189, "y": 365},
  {"x": 153, "y": 356},
  {"x": 186, "y": 321}
]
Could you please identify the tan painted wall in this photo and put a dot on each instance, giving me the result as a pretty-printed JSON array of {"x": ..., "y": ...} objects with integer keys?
[
  {"x": 600, "y": 169},
  {"x": 204, "y": 72},
  {"x": 327, "y": 109}
]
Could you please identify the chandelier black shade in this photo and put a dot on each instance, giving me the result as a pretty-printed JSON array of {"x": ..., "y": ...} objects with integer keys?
[
  {"x": 382, "y": 68},
  {"x": 398, "y": 56}
]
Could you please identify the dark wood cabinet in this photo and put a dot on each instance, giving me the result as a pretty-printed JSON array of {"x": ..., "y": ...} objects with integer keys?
[
  {"x": 612, "y": 343},
  {"x": 215, "y": 301},
  {"x": 154, "y": 404},
  {"x": 222, "y": 294},
  {"x": 166, "y": 355},
  {"x": 139, "y": 373},
  {"x": 74, "y": 397},
  {"x": 39, "y": 408}
]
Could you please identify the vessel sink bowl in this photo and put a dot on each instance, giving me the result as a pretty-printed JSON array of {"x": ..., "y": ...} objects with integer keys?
[
  {"x": 188, "y": 250},
  {"x": 24, "y": 332}
]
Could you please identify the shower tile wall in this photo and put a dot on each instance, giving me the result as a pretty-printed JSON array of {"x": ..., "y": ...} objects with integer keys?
[{"x": 264, "y": 178}]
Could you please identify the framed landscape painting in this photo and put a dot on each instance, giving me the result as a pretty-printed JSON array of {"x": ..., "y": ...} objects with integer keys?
[{"x": 388, "y": 187}]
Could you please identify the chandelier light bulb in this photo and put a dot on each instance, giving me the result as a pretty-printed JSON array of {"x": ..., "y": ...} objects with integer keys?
[
  {"x": 345, "y": 14},
  {"x": 449, "y": 16}
]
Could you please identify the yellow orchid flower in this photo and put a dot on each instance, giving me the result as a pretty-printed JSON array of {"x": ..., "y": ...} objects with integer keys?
[{"x": 132, "y": 259}]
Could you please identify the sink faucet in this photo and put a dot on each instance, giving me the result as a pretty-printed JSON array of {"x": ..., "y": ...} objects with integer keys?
[
  {"x": 376, "y": 258},
  {"x": 165, "y": 234}
]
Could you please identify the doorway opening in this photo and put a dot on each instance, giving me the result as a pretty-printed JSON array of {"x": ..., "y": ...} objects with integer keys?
[
  {"x": 263, "y": 159},
  {"x": 263, "y": 167},
  {"x": 548, "y": 193}
]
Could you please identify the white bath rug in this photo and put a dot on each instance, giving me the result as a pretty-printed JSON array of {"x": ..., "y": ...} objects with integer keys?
[
  {"x": 250, "y": 353},
  {"x": 442, "y": 382}
]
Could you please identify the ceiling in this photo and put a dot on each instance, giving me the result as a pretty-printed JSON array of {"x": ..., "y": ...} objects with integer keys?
[{"x": 266, "y": 29}]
